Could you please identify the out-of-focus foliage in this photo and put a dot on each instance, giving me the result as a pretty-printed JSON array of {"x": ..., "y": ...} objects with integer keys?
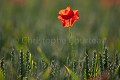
[
  {"x": 1, "y": 75},
  {"x": 33, "y": 24}
]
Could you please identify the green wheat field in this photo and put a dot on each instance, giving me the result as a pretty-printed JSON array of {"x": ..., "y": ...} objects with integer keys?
[{"x": 34, "y": 45}]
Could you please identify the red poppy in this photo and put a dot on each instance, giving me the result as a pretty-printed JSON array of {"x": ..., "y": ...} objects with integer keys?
[{"x": 68, "y": 16}]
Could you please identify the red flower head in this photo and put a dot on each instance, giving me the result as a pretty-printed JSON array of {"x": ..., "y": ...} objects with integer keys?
[{"x": 68, "y": 16}]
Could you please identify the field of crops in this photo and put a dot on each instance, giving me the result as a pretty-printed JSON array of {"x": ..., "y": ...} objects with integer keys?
[{"x": 59, "y": 40}]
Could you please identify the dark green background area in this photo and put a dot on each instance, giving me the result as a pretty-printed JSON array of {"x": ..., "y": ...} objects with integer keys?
[
  {"x": 37, "y": 19},
  {"x": 34, "y": 24}
]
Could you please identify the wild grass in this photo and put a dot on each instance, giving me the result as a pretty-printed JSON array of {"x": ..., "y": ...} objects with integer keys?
[{"x": 98, "y": 67}]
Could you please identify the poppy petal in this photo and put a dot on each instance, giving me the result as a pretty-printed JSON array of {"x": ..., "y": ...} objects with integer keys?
[
  {"x": 61, "y": 19},
  {"x": 66, "y": 23},
  {"x": 61, "y": 12},
  {"x": 68, "y": 16},
  {"x": 67, "y": 13},
  {"x": 68, "y": 8},
  {"x": 72, "y": 20},
  {"x": 76, "y": 15}
]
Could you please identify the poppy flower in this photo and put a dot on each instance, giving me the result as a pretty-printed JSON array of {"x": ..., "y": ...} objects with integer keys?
[{"x": 68, "y": 16}]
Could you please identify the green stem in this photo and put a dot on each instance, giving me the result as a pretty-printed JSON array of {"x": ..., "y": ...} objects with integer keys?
[{"x": 71, "y": 41}]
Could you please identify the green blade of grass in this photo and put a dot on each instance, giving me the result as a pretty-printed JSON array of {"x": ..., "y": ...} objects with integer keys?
[
  {"x": 84, "y": 74},
  {"x": 73, "y": 75},
  {"x": 46, "y": 74},
  {"x": 1, "y": 75},
  {"x": 43, "y": 55},
  {"x": 116, "y": 71},
  {"x": 96, "y": 70}
]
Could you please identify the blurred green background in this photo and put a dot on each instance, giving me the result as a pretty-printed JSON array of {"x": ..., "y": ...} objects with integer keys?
[{"x": 23, "y": 21}]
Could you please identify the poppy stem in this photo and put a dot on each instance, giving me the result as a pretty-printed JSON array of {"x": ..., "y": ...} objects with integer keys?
[
  {"x": 71, "y": 42},
  {"x": 69, "y": 32},
  {"x": 69, "y": 24},
  {"x": 70, "y": 35}
]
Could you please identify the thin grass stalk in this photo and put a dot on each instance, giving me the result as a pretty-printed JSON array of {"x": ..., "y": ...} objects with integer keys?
[
  {"x": 87, "y": 64},
  {"x": 13, "y": 63},
  {"x": 93, "y": 64},
  {"x": 2, "y": 66},
  {"x": 22, "y": 69},
  {"x": 28, "y": 67},
  {"x": 105, "y": 59},
  {"x": 116, "y": 59},
  {"x": 101, "y": 64}
]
